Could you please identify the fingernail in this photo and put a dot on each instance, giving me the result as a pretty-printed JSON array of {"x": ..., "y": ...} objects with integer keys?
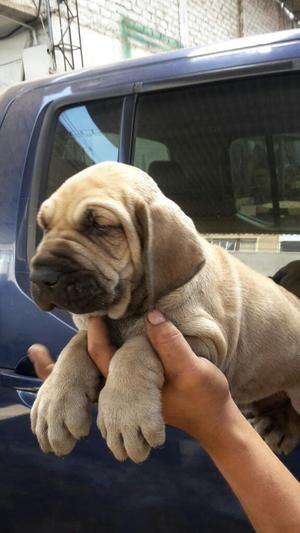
[
  {"x": 155, "y": 317},
  {"x": 34, "y": 350},
  {"x": 31, "y": 350}
]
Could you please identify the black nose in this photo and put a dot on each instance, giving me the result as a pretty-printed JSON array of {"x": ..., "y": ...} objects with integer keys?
[{"x": 44, "y": 275}]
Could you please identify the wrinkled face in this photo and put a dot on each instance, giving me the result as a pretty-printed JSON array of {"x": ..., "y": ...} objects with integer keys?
[
  {"x": 113, "y": 244},
  {"x": 89, "y": 257}
]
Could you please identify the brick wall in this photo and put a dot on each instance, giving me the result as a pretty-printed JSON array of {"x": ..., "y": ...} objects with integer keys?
[
  {"x": 105, "y": 16},
  {"x": 116, "y": 29},
  {"x": 205, "y": 21},
  {"x": 212, "y": 20},
  {"x": 261, "y": 16},
  {"x": 152, "y": 21},
  {"x": 163, "y": 24}
]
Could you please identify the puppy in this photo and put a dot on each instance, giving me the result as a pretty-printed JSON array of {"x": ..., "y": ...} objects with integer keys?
[
  {"x": 289, "y": 277},
  {"x": 114, "y": 246}
]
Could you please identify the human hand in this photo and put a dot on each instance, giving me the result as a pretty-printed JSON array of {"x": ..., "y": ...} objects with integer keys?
[{"x": 196, "y": 396}]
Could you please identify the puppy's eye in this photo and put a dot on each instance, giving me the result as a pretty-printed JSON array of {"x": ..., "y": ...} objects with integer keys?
[
  {"x": 100, "y": 229},
  {"x": 93, "y": 227}
]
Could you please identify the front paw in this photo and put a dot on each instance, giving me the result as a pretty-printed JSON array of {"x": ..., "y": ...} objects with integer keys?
[
  {"x": 131, "y": 421},
  {"x": 61, "y": 414}
]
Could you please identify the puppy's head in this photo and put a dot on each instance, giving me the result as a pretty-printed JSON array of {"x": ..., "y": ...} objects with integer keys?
[{"x": 112, "y": 241}]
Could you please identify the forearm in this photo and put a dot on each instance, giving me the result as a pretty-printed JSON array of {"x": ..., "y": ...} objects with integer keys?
[{"x": 268, "y": 492}]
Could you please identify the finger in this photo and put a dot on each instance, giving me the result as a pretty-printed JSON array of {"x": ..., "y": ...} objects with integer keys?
[
  {"x": 99, "y": 346},
  {"x": 174, "y": 351},
  {"x": 41, "y": 359}
]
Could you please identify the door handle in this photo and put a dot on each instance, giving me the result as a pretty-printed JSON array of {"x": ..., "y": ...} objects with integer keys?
[
  {"x": 25, "y": 386},
  {"x": 23, "y": 380},
  {"x": 19, "y": 382}
]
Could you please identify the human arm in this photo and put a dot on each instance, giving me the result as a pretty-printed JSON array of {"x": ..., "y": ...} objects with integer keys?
[{"x": 265, "y": 488}]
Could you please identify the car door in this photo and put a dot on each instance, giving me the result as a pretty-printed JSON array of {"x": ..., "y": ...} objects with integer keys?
[{"x": 177, "y": 489}]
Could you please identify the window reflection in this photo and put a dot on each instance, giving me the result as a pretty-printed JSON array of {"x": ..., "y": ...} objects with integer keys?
[
  {"x": 88, "y": 137},
  {"x": 84, "y": 135}
]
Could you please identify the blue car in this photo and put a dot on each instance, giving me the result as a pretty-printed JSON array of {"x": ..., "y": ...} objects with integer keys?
[{"x": 218, "y": 128}]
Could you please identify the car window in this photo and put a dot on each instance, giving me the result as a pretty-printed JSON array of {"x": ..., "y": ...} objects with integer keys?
[
  {"x": 232, "y": 159},
  {"x": 84, "y": 135},
  {"x": 148, "y": 151},
  {"x": 269, "y": 190}
]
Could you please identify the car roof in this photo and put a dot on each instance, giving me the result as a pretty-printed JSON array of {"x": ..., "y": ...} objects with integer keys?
[
  {"x": 128, "y": 71},
  {"x": 183, "y": 53}
]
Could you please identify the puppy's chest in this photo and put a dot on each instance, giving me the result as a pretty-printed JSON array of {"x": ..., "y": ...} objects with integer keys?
[{"x": 120, "y": 330}]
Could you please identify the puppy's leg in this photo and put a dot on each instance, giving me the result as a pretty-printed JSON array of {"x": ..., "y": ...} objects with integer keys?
[
  {"x": 130, "y": 417},
  {"x": 276, "y": 421},
  {"x": 294, "y": 395},
  {"x": 285, "y": 433},
  {"x": 60, "y": 414}
]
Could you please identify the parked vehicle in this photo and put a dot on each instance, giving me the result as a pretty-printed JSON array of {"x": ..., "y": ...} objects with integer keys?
[{"x": 219, "y": 129}]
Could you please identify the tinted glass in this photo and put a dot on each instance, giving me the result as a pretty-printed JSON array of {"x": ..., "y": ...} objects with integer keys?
[
  {"x": 85, "y": 134},
  {"x": 229, "y": 155}
]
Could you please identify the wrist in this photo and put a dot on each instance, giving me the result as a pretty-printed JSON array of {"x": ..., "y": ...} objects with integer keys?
[{"x": 215, "y": 434}]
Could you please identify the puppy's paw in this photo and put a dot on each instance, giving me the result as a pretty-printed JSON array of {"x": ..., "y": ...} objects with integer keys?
[
  {"x": 61, "y": 414},
  {"x": 280, "y": 435},
  {"x": 281, "y": 442},
  {"x": 131, "y": 421}
]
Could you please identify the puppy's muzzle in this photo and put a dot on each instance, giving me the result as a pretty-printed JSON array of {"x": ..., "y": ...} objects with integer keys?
[
  {"x": 76, "y": 291},
  {"x": 44, "y": 276}
]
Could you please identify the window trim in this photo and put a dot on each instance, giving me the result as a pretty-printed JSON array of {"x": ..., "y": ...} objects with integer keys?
[{"x": 254, "y": 70}]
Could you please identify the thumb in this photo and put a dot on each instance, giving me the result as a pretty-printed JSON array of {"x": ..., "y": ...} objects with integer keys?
[
  {"x": 174, "y": 351},
  {"x": 100, "y": 348},
  {"x": 41, "y": 360}
]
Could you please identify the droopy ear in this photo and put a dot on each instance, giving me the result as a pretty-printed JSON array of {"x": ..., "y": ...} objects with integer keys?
[{"x": 172, "y": 252}]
